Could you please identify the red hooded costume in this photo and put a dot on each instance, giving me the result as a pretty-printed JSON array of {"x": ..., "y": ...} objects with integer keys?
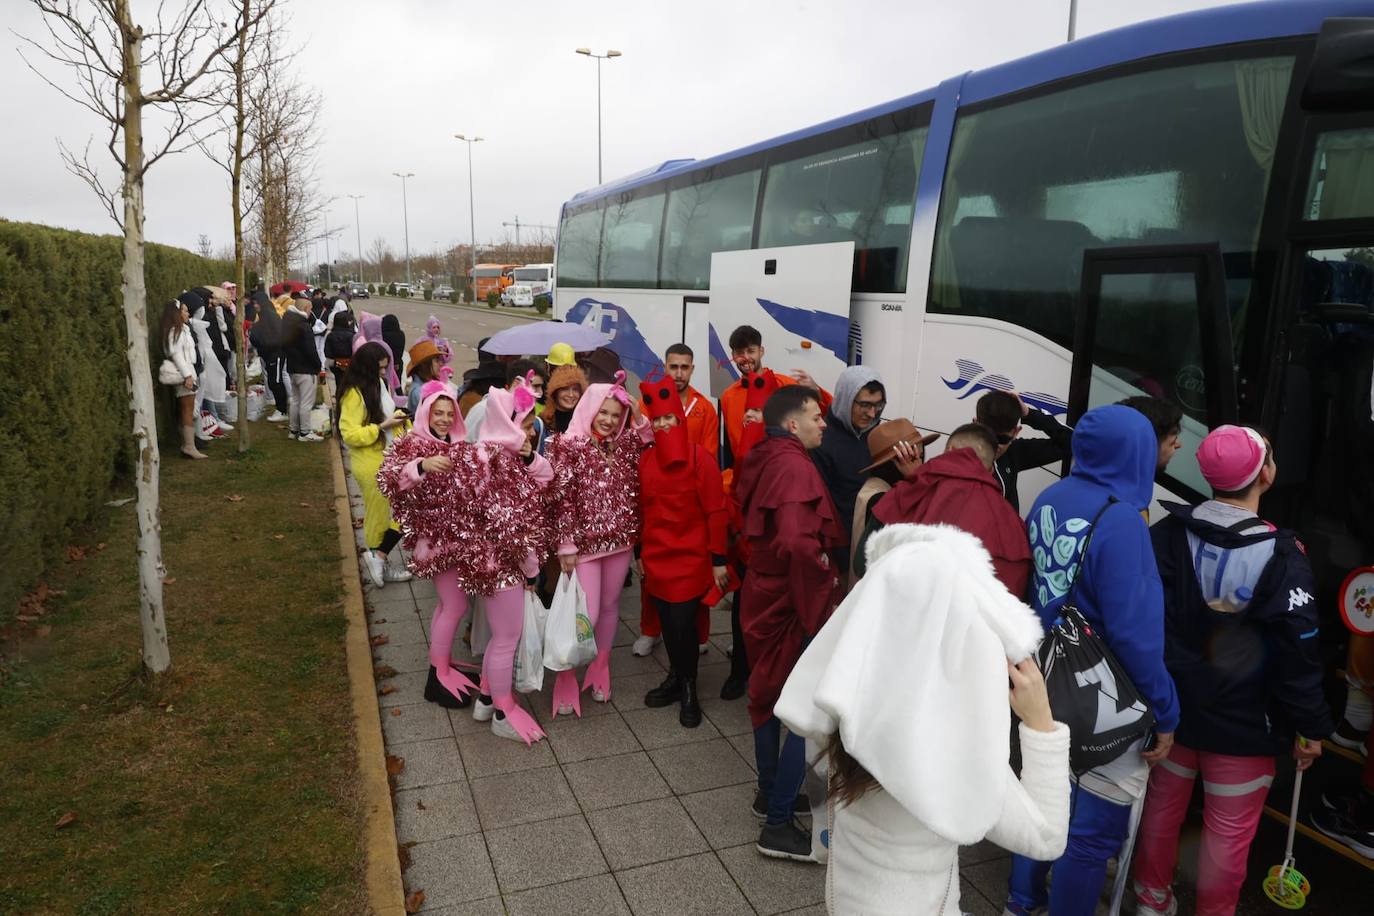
[
  {"x": 956, "y": 489},
  {"x": 682, "y": 500},
  {"x": 791, "y": 588}
]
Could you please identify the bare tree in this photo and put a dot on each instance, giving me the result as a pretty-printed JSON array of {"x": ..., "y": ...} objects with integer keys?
[
  {"x": 284, "y": 170},
  {"x": 106, "y": 55},
  {"x": 203, "y": 246}
]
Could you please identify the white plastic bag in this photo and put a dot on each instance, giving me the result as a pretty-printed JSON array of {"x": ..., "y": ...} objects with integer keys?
[
  {"x": 568, "y": 637},
  {"x": 209, "y": 426},
  {"x": 320, "y": 420},
  {"x": 257, "y": 402},
  {"x": 254, "y": 369},
  {"x": 230, "y": 408},
  {"x": 817, "y": 786},
  {"x": 529, "y": 655}
]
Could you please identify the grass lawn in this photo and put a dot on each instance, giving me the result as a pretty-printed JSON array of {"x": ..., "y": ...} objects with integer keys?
[{"x": 230, "y": 786}]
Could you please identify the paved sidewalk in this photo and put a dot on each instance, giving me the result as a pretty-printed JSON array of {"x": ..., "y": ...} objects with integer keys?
[{"x": 620, "y": 812}]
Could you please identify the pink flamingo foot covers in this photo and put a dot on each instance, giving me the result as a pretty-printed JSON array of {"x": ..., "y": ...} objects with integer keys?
[
  {"x": 598, "y": 677},
  {"x": 523, "y": 723},
  {"x": 448, "y": 613},
  {"x": 565, "y": 693}
]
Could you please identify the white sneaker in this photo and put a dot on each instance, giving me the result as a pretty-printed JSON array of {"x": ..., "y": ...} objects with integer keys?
[
  {"x": 277, "y": 416},
  {"x": 597, "y": 695},
  {"x": 309, "y": 436},
  {"x": 644, "y": 645},
  {"x": 225, "y": 425},
  {"x": 482, "y": 712},
  {"x": 375, "y": 567},
  {"x": 395, "y": 573},
  {"x": 702, "y": 648},
  {"x": 291, "y": 434},
  {"x": 502, "y": 728}
]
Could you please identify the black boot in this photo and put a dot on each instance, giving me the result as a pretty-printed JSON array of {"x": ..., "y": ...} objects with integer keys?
[
  {"x": 665, "y": 694},
  {"x": 436, "y": 692},
  {"x": 689, "y": 716},
  {"x": 734, "y": 687}
]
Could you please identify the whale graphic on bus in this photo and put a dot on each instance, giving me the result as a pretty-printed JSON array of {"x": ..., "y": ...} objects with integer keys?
[
  {"x": 973, "y": 378},
  {"x": 636, "y": 356}
]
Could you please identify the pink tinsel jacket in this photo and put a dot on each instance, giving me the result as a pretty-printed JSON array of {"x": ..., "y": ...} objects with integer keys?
[{"x": 594, "y": 497}]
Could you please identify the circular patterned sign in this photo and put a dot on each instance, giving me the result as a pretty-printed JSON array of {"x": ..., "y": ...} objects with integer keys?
[{"x": 1357, "y": 600}]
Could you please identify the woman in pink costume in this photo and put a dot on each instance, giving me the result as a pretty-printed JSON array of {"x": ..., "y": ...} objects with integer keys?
[
  {"x": 434, "y": 335},
  {"x": 509, "y": 512},
  {"x": 595, "y": 511},
  {"x": 421, "y": 476}
]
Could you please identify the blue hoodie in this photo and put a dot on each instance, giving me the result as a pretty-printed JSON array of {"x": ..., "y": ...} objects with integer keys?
[{"x": 1119, "y": 591}]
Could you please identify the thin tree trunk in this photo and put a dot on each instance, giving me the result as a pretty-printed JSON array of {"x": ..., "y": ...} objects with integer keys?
[
  {"x": 156, "y": 656},
  {"x": 236, "y": 186}
]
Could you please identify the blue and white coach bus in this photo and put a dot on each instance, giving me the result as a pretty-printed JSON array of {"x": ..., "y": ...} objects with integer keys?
[{"x": 1183, "y": 208}]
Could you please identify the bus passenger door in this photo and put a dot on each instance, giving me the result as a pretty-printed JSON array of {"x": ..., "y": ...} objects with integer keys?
[{"x": 1154, "y": 321}]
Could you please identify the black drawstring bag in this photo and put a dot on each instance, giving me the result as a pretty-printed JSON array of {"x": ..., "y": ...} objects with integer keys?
[{"x": 1088, "y": 689}]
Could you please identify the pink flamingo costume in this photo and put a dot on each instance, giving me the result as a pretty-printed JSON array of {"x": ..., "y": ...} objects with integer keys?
[{"x": 594, "y": 505}]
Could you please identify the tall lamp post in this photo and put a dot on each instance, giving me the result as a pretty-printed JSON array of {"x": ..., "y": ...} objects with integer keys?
[
  {"x": 405, "y": 212},
  {"x": 472, "y": 217},
  {"x": 358, "y": 229},
  {"x": 599, "y": 58}
]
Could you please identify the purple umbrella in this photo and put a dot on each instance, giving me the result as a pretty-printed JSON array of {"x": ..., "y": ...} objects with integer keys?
[{"x": 536, "y": 338}]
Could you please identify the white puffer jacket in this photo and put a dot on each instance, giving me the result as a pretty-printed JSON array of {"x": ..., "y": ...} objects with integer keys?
[{"x": 181, "y": 350}]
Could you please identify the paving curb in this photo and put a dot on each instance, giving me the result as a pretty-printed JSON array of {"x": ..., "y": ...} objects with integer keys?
[
  {"x": 481, "y": 309},
  {"x": 385, "y": 891}
]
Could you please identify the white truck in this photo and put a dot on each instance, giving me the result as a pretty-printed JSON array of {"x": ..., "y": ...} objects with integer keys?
[{"x": 529, "y": 283}]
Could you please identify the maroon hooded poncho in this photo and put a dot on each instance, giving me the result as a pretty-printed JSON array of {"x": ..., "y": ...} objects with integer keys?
[
  {"x": 956, "y": 489},
  {"x": 791, "y": 588}
]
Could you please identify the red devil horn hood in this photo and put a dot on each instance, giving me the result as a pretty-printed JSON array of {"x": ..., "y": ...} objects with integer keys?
[{"x": 672, "y": 447}]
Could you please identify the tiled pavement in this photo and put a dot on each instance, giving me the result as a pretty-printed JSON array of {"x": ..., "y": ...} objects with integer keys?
[{"x": 620, "y": 812}]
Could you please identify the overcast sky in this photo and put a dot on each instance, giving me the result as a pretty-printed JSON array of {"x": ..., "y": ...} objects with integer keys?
[{"x": 399, "y": 78}]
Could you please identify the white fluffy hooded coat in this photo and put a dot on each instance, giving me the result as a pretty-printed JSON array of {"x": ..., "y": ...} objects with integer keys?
[{"x": 911, "y": 671}]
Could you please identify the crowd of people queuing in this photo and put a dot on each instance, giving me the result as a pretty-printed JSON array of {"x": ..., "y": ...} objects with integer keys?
[{"x": 853, "y": 563}]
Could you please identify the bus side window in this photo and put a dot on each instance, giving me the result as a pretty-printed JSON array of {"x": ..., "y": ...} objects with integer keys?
[{"x": 703, "y": 218}]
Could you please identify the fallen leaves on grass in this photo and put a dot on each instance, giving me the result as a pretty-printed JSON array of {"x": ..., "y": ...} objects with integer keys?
[
  {"x": 169, "y": 580},
  {"x": 234, "y": 498},
  {"x": 43, "y": 631},
  {"x": 278, "y": 537},
  {"x": 384, "y": 671},
  {"x": 394, "y": 764},
  {"x": 66, "y": 820},
  {"x": 380, "y": 639},
  {"x": 75, "y": 553},
  {"x": 387, "y": 689},
  {"x": 414, "y": 901},
  {"x": 99, "y": 547}
]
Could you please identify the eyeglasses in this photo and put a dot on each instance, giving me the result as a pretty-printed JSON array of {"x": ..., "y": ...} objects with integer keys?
[{"x": 874, "y": 407}]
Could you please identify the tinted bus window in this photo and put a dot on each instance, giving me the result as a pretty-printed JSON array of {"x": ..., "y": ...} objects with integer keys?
[
  {"x": 703, "y": 218},
  {"x": 629, "y": 250},
  {"x": 1172, "y": 156},
  {"x": 861, "y": 192},
  {"x": 1342, "y": 182},
  {"x": 579, "y": 248}
]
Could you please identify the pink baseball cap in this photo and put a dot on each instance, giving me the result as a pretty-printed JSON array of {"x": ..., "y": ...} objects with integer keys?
[{"x": 1231, "y": 457}]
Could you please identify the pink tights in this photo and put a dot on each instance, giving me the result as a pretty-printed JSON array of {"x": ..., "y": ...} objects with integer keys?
[
  {"x": 602, "y": 579},
  {"x": 448, "y": 613},
  {"x": 1234, "y": 790},
  {"x": 506, "y": 616}
]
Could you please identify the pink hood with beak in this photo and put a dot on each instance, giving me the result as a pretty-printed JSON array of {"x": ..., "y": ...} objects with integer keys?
[
  {"x": 506, "y": 410},
  {"x": 590, "y": 405},
  {"x": 431, "y": 392}
]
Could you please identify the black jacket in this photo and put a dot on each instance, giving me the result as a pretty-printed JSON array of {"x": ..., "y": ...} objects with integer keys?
[
  {"x": 839, "y": 457},
  {"x": 338, "y": 343},
  {"x": 298, "y": 343},
  {"x": 1024, "y": 454},
  {"x": 1247, "y": 680}
]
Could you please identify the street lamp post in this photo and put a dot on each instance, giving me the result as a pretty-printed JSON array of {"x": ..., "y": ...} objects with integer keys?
[
  {"x": 472, "y": 216},
  {"x": 358, "y": 229},
  {"x": 405, "y": 212},
  {"x": 599, "y": 58},
  {"x": 329, "y": 277}
]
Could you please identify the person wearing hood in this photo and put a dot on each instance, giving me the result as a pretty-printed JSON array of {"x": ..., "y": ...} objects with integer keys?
[
  {"x": 302, "y": 367},
  {"x": 395, "y": 339},
  {"x": 860, "y": 399},
  {"x": 449, "y": 494},
  {"x": 1117, "y": 589},
  {"x": 913, "y": 780},
  {"x": 957, "y": 488},
  {"x": 561, "y": 394},
  {"x": 368, "y": 422},
  {"x": 370, "y": 331},
  {"x": 1241, "y": 641},
  {"x": 178, "y": 370},
  {"x": 266, "y": 337},
  {"x": 521, "y": 371},
  {"x": 434, "y": 334},
  {"x": 1005, "y": 414},
  {"x": 682, "y": 549},
  {"x": 595, "y": 508},
  {"x": 338, "y": 344},
  {"x": 794, "y": 534},
  {"x": 212, "y": 390}
]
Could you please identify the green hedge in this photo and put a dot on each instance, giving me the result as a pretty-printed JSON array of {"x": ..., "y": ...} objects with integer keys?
[{"x": 64, "y": 404}]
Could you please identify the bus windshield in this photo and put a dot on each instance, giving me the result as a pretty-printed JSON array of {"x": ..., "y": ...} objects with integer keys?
[{"x": 531, "y": 274}]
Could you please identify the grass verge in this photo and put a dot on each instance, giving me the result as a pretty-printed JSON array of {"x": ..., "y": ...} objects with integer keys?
[{"x": 230, "y": 784}]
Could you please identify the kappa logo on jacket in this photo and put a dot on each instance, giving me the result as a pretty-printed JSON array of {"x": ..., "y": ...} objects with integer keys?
[{"x": 1298, "y": 598}]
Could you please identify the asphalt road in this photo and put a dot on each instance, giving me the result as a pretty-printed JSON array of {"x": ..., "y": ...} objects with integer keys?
[{"x": 463, "y": 327}]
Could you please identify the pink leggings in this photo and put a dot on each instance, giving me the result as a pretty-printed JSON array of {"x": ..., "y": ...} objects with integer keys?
[
  {"x": 1234, "y": 790},
  {"x": 602, "y": 581},
  {"x": 448, "y": 613},
  {"x": 505, "y": 612}
]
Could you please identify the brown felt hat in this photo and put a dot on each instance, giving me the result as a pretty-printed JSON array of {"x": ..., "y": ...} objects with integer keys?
[
  {"x": 423, "y": 350},
  {"x": 882, "y": 441}
]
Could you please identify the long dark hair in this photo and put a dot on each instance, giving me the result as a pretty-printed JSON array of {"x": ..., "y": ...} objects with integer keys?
[
  {"x": 849, "y": 780},
  {"x": 364, "y": 373},
  {"x": 171, "y": 321}
]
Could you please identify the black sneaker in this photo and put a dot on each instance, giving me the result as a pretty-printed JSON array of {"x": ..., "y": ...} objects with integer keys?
[
  {"x": 1349, "y": 737},
  {"x": 666, "y": 693},
  {"x": 785, "y": 841},
  {"x": 436, "y": 692},
  {"x": 1348, "y": 827},
  {"x": 760, "y": 806}
]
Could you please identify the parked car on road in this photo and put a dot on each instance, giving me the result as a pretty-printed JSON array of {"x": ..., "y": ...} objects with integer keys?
[
  {"x": 403, "y": 290},
  {"x": 443, "y": 292}
]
